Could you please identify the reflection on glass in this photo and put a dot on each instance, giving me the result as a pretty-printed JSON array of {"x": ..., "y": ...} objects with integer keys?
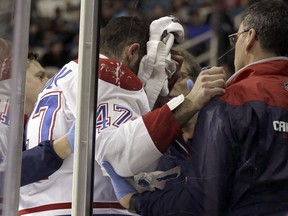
[{"x": 5, "y": 90}]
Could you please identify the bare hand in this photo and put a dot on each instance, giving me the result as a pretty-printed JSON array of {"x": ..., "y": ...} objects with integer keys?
[
  {"x": 209, "y": 83},
  {"x": 124, "y": 201}
]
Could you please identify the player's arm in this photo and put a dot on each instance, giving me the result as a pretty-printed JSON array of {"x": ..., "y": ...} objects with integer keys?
[
  {"x": 46, "y": 158},
  {"x": 137, "y": 145},
  {"x": 210, "y": 170},
  {"x": 39, "y": 162},
  {"x": 207, "y": 188},
  {"x": 209, "y": 83}
]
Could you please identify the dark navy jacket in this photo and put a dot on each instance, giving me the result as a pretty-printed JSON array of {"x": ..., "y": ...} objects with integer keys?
[
  {"x": 239, "y": 152},
  {"x": 39, "y": 162}
]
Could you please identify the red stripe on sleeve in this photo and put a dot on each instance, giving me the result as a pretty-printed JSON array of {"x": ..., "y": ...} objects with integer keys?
[{"x": 162, "y": 127}]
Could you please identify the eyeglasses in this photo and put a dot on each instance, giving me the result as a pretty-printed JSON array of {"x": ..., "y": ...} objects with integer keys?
[{"x": 234, "y": 37}]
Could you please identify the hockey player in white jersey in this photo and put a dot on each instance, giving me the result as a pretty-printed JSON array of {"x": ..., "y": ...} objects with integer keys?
[
  {"x": 4, "y": 98},
  {"x": 46, "y": 157},
  {"x": 127, "y": 130}
]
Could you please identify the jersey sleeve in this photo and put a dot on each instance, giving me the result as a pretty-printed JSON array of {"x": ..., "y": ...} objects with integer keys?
[
  {"x": 5, "y": 90},
  {"x": 129, "y": 136},
  {"x": 238, "y": 154},
  {"x": 137, "y": 145},
  {"x": 208, "y": 172}
]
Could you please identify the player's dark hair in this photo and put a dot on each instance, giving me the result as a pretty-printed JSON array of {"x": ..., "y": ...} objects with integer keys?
[
  {"x": 123, "y": 31},
  {"x": 269, "y": 18},
  {"x": 32, "y": 56}
]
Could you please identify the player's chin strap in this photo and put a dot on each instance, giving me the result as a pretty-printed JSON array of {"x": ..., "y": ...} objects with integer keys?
[{"x": 157, "y": 67}]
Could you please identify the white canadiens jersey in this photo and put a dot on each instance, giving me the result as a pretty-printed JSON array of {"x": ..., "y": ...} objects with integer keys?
[
  {"x": 5, "y": 91},
  {"x": 121, "y": 99}
]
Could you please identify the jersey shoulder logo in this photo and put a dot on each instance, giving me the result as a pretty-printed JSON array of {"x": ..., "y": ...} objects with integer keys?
[{"x": 280, "y": 126}]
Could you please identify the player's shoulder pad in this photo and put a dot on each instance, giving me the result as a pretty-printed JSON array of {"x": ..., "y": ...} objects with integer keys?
[{"x": 118, "y": 74}]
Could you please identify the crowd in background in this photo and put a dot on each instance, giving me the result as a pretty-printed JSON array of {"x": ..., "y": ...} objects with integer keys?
[{"x": 55, "y": 37}]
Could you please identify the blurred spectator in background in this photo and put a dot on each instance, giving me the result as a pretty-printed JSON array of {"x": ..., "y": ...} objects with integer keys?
[
  {"x": 180, "y": 9},
  {"x": 222, "y": 24},
  {"x": 35, "y": 35},
  {"x": 56, "y": 56},
  {"x": 196, "y": 26},
  {"x": 197, "y": 17},
  {"x": 119, "y": 8},
  {"x": 157, "y": 11}
]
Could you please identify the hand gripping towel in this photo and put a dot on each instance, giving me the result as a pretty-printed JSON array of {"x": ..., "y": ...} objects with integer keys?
[{"x": 156, "y": 67}]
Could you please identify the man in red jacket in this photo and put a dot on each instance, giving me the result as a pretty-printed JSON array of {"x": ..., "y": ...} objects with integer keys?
[{"x": 239, "y": 151}]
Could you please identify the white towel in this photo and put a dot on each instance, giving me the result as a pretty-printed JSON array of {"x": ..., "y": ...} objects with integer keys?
[{"x": 157, "y": 67}]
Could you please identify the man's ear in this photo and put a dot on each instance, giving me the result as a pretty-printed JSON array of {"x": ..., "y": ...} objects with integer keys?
[
  {"x": 133, "y": 50},
  {"x": 251, "y": 38}
]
